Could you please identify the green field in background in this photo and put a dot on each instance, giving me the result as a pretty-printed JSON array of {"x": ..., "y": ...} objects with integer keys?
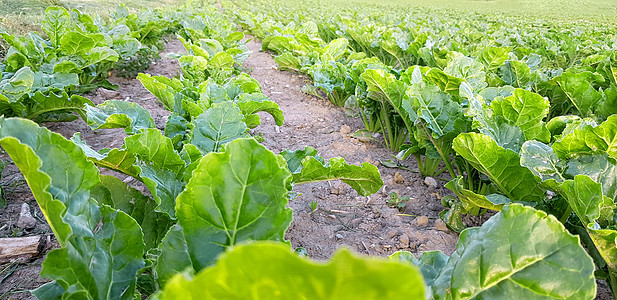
[
  {"x": 560, "y": 9},
  {"x": 22, "y": 16}
]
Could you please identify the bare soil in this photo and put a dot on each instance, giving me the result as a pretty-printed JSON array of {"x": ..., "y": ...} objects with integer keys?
[{"x": 344, "y": 219}]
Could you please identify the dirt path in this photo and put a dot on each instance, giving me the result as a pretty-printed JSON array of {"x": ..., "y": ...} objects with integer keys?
[{"x": 364, "y": 224}]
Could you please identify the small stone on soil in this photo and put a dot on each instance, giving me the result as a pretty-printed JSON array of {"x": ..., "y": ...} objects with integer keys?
[
  {"x": 345, "y": 129},
  {"x": 404, "y": 240},
  {"x": 338, "y": 189},
  {"x": 26, "y": 221},
  {"x": 422, "y": 221},
  {"x": 339, "y": 236},
  {"x": 430, "y": 182},
  {"x": 398, "y": 178},
  {"x": 441, "y": 225}
]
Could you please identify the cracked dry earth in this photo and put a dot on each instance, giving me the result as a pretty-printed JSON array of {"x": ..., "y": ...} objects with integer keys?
[{"x": 367, "y": 225}]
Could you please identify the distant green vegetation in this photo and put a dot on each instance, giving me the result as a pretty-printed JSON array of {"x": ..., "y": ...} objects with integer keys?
[
  {"x": 560, "y": 9},
  {"x": 23, "y": 16}
]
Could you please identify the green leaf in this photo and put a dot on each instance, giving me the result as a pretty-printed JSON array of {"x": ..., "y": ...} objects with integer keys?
[
  {"x": 119, "y": 114},
  {"x": 56, "y": 23},
  {"x": 174, "y": 256},
  {"x": 117, "y": 194},
  {"x": 150, "y": 157},
  {"x": 584, "y": 196},
  {"x": 62, "y": 180},
  {"x": 469, "y": 69},
  {"x": 11, "y": 90},
  {"x": 273, "y": 271},
  {"x": 501, "y": 165},
  {"x": 102, "y": 248},
  {"x": 600, "y": 168},
  {"x": 587, "y": 139},
  {"x": 103, "y": 266},
  {"x": 435, "y": 107},
  {"x": 579, "y": 90},
  {"x": 294, "y": 158},
  {"x": 446, "y": 82},
  {"x": 251, "y": 104},
  {"x": 383, "y": 86},
  {"x": 542, "y": 161},
  {"x": 526, "y": 110},
  {"x": 74, "y": 42},
  {"x": 505, "y": 259},
  {"x": 52, "y": 102},
  {"x": 494, "y": 57},
  {"x": 193, "y": 68},
  {"x": 365, "y": 179},
  {"x": 221, "y": 123},
  {"x": 287, "y": 61},
  {"x": 517, "y": 74},
  {"x": 160, "y": 167},
  {"x": 236, "y": 195},
  {"x": 161, "y": 89},
  {"x": 471, "y": 200},
  {"x": 430, "y": 263}
]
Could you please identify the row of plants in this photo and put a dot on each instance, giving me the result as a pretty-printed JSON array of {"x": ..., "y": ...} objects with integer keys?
[
  {"x": 42, "y": 77},
  {"x": 512, "y": 119}
]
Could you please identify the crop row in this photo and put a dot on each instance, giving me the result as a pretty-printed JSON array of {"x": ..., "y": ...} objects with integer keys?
[{"x": 512, "y": 115}]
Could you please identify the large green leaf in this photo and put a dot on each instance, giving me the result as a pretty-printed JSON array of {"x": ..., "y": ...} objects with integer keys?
[
  {"x": 101, "y": 266},
  {"x": 236, "y": 195},
  {"x": 58, "y": 174},
  {"x": 150, "y": 157},
  {"x": 119, "y": 114},
  {"x": 579, "y": 90},
  {"x": 159, "y": 88},
  {"x": 469, "y": 69},
  {"x": 471, "y": 200},
  {"x": 11, "y": 90},
  {"x": 273, "y": 271},
  {"x": 117, "y": 194},
  {"x": 501, "y": 165},
  {"x": 542, "y": 161},
  {"x": 160, "y": 167},
  {"x": 102, "y": 248},
  {"x": 584, "y": 197},
  {"x": 587, "y": 139},
  {"x": 383, "y": 86},
  {"x": 430, "y": 263},
  {"x": 44, "y": 107},
  {"x": 74, "y": 42},
  {"x": 435, "y": 107},
  {"x": 519, "y": 253},
  {"x": 525, "y": 110},
  {"x": 251, "y": 104},
  {"x": 221, "y": 123},
  {"x": 174, "y": 256},
  {"x": 365, "y": 179},
  {"x": 56, "y": 23}
]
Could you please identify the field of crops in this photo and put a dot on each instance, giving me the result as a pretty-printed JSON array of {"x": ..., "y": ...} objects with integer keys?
[{"x": 258, "y": 149}]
